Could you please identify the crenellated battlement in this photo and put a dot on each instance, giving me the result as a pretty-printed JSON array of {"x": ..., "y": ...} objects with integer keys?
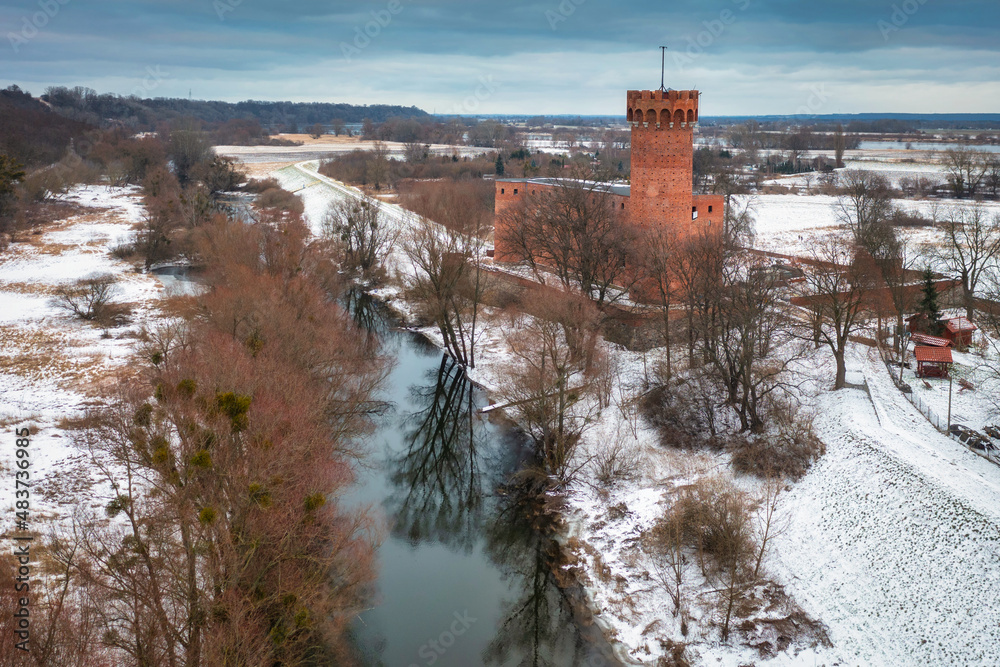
[{"x": 670, "y": 109}]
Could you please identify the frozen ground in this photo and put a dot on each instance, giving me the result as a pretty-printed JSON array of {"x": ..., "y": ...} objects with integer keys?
[
  {"x": 893, "y": 538},
  {"x": 51, "y": 364},
  {"x": 319, "y": 151},
  {"x": 926, "y": 166},
  {"x": 791, "y": 224},
  {"x": 892, "y": 541}
]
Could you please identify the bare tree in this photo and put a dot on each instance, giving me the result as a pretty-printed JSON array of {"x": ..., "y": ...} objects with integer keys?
[
  {"x": 866, "y": 209},
  {"x": 449, "y": 284},
  {"x": 359, "y": 230},
  {"x": 575, "y": 230},
  {"x": 971, "y": 248},
  {"x": 665, "y": 545},
  {"x": 967, "y": 170},
  {"x": 90, "y": 298},
  {"x": 733, "y": 555},
  {"x": 991, "y": 183},
  {"x": 415, "y": 151},
  {"x": 747, "y": 324},
  {"x": 839, "y": 145},
  {"x": 839, "y": 297},
  {"x": 377, "y": 166},
  {"x": 659, "y": 257},
  {"x": 549, "y": 385},
  {"x": 740, "y": 221},
  {"x": 865, "y": 205},
  {"x": 767, "y": 518},
  {"x": 697, "y": 269}
]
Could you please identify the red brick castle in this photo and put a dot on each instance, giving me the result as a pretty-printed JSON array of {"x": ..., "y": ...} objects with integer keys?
[{"x": 661, "y": 193}]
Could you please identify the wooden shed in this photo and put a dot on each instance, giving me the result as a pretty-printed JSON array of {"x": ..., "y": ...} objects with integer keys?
[
  {"x": 959, "y": 331},
  {"x": 934, "y": 362}
]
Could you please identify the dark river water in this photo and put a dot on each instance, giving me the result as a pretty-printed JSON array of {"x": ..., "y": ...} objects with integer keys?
[{"x": 466, "y": 571}]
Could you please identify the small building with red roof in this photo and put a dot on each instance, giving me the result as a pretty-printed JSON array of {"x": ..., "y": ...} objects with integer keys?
[
  {"x": 933, "y": 361},
  {"x": 959, "y": 331}
]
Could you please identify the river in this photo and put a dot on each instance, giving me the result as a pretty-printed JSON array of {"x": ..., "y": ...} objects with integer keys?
[{"x": 467, "y": 570}]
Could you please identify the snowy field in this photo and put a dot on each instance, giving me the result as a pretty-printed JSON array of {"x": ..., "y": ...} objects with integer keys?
[
  {"x": 893, "y": 539},
  {"x": 319, "y": 151},
  {"x": 890, "y": 541},
  {"x": 894, "y": 171},
  {"x": 52, "y": 364},
  {"x": 791, "y": 224}
]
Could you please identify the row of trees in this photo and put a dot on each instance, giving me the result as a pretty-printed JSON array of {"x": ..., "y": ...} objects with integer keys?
[{"x": 227, "y": 449}]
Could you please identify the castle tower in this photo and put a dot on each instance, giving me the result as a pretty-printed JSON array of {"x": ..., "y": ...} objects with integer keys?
[{"x": 662, "y": 156}]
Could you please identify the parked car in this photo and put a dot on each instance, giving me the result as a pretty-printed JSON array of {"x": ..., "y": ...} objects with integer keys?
[
  {"x": 958, "y": 429},
  {"x": 993, "y": 431}
]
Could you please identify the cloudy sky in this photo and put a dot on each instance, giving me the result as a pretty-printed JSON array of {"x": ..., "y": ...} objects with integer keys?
[{"x": 556, "y": 56}]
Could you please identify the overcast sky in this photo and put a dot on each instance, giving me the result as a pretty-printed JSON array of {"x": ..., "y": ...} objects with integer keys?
[{"x": 473, "y": 56}]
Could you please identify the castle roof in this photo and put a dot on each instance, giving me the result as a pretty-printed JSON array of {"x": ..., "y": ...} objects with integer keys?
[{"x": 622, "y": 189}]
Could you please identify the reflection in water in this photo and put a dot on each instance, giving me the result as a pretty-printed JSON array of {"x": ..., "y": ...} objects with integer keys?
[
  {"x": 465, "y": 538},
  {"x": 439, "y": 495},
  {"x": 541, "y": 626},
  {"x": 365, "y": 312}
]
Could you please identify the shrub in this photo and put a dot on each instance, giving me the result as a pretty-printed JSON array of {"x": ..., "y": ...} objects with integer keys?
[
  {"x": 787, "y": 450},
  {"x": 714, "y": 519},
  {"x": 124, "y": 251},
  {"x": 682, "y": 418},
  {"x": 258, "y": 186},
  {"x": 615, "y": 464},
  {"x": 90, "y": 299},
  {"x": 282, "y": 200}
]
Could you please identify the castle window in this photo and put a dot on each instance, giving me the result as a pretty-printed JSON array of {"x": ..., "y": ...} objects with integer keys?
[
  {"x": 502, "y": 190},
  {"x": 515, "y": 190},
  {"x": 709, "y": 209},
  {"x": 623, "y": 206},
  {"x": 694, "y": 212}
]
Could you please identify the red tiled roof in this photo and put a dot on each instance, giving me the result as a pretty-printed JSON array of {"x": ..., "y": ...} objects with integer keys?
[
  {"x": 940, "y": 355},
  {"x": 933, "y": 341},
  {"x": 957, "y": 324}
]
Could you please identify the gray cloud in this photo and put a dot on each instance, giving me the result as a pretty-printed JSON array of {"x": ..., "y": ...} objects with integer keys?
[{"x": 562, "y": 56}]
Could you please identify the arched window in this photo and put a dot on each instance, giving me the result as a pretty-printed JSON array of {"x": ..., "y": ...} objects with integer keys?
[
  {"x": 665, "y": 117},
  {"x": 679, "y": 116},
  {"x": 502, "y": 190},
  {"x": 651, "y": 116}
]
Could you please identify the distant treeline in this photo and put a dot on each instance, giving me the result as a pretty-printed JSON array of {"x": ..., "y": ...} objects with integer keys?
[
  {"x": 868, "y": 123},
  {"x": 86, "y": 105},
  {"x": 32, "y": 134}
]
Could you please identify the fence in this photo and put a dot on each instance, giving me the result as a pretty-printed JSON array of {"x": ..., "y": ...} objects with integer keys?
[{"x": 937, "y": 422}]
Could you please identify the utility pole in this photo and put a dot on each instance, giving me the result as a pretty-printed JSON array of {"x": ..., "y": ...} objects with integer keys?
[{"x": 949, "y": 401}]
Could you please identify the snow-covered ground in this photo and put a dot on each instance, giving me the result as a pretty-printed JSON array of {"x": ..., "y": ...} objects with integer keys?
[
  {"x": 926, "y": 167},
  {"x": 893, "y": 538},
  {"x": 791, "y": 224},
  {"x": 52, "y": 364},
  {"x": 892, "y": 541}
]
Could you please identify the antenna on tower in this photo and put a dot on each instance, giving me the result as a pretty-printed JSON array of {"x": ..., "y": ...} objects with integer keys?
[{"x": 663, "y": 68}]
